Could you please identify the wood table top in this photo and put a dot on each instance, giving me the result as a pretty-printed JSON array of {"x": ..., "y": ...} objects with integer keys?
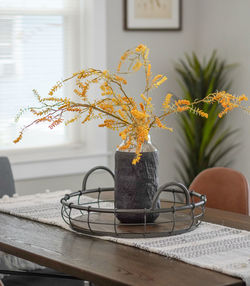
[{"x": 108, "y": 263}]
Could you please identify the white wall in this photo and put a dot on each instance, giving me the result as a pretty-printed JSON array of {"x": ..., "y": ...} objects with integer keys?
[{"x": 71, "y": 182}]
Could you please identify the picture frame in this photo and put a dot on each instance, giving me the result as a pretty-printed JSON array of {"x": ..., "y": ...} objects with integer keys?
[{"x": 153, "y": 15}]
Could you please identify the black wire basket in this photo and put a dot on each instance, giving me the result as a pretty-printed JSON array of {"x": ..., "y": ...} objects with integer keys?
[{"x": 91, "y": 211}]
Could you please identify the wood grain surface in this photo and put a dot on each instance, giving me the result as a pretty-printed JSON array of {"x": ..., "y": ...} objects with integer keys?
[{"x": 107, "y": 263}]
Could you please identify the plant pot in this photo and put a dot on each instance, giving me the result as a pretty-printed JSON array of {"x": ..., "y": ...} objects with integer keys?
[{"x": 136, "y": 185}]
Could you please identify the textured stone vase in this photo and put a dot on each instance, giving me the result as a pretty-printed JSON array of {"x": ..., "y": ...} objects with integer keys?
[{"x": 136, "y": 185}]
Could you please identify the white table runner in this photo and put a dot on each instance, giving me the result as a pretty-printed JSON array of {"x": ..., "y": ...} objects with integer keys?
[{"x": 210, "y": 246}]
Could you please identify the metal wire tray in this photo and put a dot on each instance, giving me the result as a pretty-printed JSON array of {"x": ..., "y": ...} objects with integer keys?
[{"x": 180, "y": 212}]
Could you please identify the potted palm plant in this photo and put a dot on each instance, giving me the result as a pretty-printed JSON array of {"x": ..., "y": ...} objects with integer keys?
[{"x": 203, "y": 142}]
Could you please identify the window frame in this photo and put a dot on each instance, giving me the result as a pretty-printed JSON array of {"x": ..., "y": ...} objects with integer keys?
[{"x": 81, "y": 154}]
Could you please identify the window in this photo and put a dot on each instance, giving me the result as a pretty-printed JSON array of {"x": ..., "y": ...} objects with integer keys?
[
  {"x": 41, "y": 42},
  {"x": 34, "y": 52},
  {"x": 7, "y": 61}
]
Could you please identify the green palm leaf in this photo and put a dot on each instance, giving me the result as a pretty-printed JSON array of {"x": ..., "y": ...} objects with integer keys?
[{"x": 203, "y": 142}]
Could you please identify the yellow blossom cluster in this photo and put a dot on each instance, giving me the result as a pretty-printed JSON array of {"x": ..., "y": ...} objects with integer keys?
[
  {"x": 228, "y": 101},
  {"x": 117, "y": 109}
]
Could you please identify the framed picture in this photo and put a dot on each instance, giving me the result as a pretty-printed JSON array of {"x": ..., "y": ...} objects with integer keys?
[{"x": 150, "y": 15}]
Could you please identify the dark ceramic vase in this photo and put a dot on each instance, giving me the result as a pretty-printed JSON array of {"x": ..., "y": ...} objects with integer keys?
[{"x": 136, "y": 185}]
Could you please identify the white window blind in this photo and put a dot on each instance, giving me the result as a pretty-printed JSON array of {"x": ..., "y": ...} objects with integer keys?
[{"x": 33, "y": 54}]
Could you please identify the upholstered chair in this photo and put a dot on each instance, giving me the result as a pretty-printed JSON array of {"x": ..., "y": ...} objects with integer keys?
[{"x": 225, "y": 188}]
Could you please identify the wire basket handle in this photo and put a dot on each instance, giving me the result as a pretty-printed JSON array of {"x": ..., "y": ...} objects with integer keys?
[
  {"x": 85, "y": 179},
  {"x": 166, "y": 186}
]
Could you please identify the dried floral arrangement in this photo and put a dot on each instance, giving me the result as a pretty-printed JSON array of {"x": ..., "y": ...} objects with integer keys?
[{"x": 117, "y": 109}]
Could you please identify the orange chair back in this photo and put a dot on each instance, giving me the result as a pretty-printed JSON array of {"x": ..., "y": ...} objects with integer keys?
[{"x": 226, "y": 189}]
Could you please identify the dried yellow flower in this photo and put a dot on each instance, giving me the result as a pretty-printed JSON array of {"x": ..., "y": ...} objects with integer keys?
[{"x": 117, "y": 109}]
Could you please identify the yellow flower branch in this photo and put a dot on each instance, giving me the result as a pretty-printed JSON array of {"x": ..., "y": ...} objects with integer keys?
[{"x": 115, "y": 108}]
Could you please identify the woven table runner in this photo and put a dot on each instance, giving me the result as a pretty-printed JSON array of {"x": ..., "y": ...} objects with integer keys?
[{"x": 210, "y": 246}]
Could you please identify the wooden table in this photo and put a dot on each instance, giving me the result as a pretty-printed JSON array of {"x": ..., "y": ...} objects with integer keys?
[{"x": 107, "y": 263}]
